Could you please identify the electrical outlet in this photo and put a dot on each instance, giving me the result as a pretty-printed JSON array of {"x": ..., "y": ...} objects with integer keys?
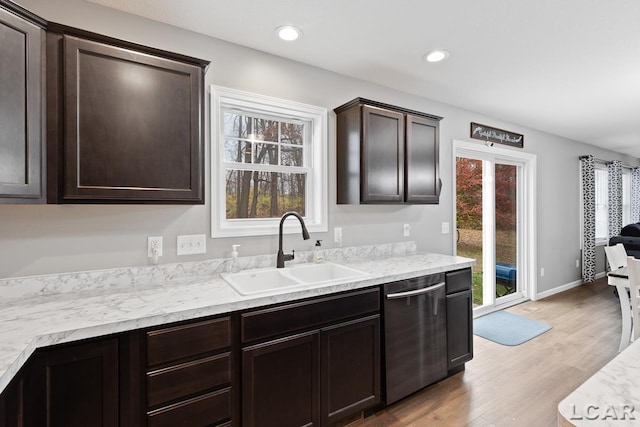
[
  {"x": 577, "y": 263},
  {"x": 154, "y": 246},
  {"x": 407, "y": 230},
  {"x": 337, "y": 236},
  {"x": 192, "y": 244},
  {"x": 541, "y": 271},
  {"x": 445, "y": 228}
]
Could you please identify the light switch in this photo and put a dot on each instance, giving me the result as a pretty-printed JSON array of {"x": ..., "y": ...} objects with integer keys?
[{"x": 192, "y": 244}]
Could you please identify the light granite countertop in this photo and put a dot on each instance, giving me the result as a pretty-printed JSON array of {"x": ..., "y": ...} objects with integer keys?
[
  {"x": 45, "y": 310},
  {"x": 611, "y": 397}
]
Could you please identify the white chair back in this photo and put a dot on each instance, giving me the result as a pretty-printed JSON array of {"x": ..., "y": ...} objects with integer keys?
[
  {"x": 616, "y": 256},
  {"x": 633, "y": 267}
]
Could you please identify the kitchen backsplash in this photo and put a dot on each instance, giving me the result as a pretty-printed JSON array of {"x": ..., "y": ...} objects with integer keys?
[{"x": 143, "y": 276}]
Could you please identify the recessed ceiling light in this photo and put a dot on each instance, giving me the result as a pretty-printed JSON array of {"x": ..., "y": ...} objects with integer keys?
[
  {"x": 436, "y": 55},
  {"x": 288, "y": 33}
]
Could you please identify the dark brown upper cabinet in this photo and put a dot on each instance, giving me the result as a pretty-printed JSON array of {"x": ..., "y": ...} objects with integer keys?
[
  {"x": 125, "y": 122},
  {"x": 386, "y": 154},
  {"x": 21, "y": 105}
]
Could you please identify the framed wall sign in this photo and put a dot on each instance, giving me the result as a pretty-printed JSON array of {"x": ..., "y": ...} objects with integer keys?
[{"x": 491, "y": 134}]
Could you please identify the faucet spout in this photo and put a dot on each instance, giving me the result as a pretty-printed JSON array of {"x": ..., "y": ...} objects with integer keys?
[{"x": 282, "y": 257}]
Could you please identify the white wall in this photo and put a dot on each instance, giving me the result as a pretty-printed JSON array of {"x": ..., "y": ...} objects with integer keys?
[{"x": 50, "y": 239}]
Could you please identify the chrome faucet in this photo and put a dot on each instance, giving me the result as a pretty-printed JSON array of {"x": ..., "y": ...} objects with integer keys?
[{"x": 282, "y": 257}]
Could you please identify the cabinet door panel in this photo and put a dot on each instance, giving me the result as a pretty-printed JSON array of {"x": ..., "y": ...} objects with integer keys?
[
  {"x": 350, "y": 368},
  {"x": 82, "y": 385},
  {"x": 132, "y": 125},
  {"x": 459, "y": 328},
  {"x": 382, "y": 156},
  {"x": 422, "y": 172},
  {"x": 280, "y": 382},
  {"x": 20, "y": 108}
]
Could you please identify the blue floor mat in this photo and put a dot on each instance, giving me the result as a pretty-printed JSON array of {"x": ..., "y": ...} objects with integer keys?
[{"x": 507, "y": 328}]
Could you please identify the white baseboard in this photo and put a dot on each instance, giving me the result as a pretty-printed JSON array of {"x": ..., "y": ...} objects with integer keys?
[{"x": 557, "y": 290}]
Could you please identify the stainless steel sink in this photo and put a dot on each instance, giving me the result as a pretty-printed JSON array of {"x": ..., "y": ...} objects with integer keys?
[{"x": 264, "y": 280}]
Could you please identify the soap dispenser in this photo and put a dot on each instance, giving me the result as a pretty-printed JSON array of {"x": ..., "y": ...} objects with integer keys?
[
  {"x": 318, "y": 256},
  {"x": 234, "y": 266}
]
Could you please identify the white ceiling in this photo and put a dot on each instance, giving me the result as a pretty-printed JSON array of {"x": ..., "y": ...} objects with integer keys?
[{"x": 568, "y": 67}]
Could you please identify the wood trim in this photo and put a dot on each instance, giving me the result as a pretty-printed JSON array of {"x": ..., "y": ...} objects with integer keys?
[
  {"x": 382, "y": 105},
  {"x": 71, "y": 31},
  {"x": 23, "y": 13}
]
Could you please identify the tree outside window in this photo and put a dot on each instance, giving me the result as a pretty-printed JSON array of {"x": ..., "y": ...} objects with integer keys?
[{"x": 270, "y": 159}]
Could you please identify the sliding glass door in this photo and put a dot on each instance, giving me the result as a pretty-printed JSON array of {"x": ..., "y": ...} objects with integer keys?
[{"x": 489, "y": 224}]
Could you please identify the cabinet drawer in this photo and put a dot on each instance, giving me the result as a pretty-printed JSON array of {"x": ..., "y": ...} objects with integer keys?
[
  {"x": 459, "y": 280},
  {"x": 289, "y": 318},
  {"x": 201, "y": 411},
  {"x": 184, "y": 341},
  {"x": 188, "y": 378}
]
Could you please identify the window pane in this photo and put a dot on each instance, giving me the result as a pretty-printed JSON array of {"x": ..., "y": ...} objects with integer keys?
[
  {"x": 266, "y": 130},
  {"x": 257, "y": 194},
  {"x": 292, "y": 156},
  {"x": 266, "y": 154},
  {"x": 602, "y": 204},
  {"x": 237, "y": 125},
  {"x": 237, "y": 151},
  {"x": 292, "y": 133}
]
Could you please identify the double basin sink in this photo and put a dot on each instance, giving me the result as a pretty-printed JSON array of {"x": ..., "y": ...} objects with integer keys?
[{"x": 297, "y": 276}]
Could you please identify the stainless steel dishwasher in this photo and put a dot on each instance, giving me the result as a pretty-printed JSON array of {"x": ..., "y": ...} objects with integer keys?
[{"x": 415, "y": 326}]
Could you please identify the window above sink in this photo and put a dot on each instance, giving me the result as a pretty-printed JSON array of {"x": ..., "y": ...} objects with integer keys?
[{"x": 269, "y": 156}]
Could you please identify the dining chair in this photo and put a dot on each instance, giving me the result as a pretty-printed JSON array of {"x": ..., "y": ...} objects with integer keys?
[
  {"x": 616, "y": 256},
  {"x": 633, "y": 268}
]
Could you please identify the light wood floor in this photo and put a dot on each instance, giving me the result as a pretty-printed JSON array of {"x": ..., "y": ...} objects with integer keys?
[{"x": 522, "y": 385}]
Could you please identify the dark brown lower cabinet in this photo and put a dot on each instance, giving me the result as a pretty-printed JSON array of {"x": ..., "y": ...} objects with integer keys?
[
  {"x": 459, "y": 328},
  {"x": 189, "y": 374},
  {"x": 72, "y": 385},
  {"x": 22, "y": 403},
  {"x": 280, "y": 382},
  {"x": 350, "y": 355},
  {"x": 82, "y": 385},
  {"x": 312, "y": 379},
  {"x": 459, "y": 318},
  {"x": 315, "y": 362}
]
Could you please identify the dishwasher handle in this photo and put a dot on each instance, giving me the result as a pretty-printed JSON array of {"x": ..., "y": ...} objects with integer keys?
[{"x": 416, "y": 291}]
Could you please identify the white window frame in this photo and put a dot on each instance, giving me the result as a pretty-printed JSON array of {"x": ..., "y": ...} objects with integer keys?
[{"x": 316, "y": 197}]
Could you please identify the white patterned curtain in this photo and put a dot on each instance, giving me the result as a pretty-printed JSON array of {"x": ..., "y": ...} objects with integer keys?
[
  {"x": 588, "y": 174},
  {"x": 614, "y": 170},
  {"x": 635, "y": 195}
]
